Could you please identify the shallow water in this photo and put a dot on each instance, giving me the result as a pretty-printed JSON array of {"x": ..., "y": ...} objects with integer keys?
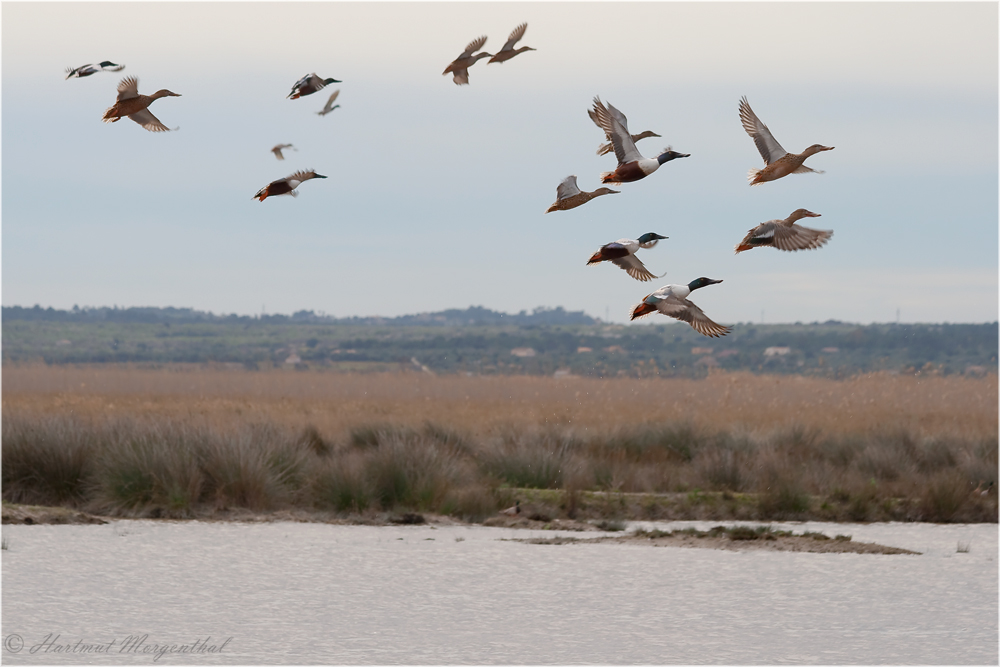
[{"x": 316, "y": 593}]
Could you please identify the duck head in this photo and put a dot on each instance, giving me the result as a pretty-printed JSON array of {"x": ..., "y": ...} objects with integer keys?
[
  {"x": 800, "y": 213},
  {"x": 327, "y": 82},
  {"x": 701, "y": 282},
  {"x": 816, "y": 148},
  {"x": 668, "y": 155},
  {"x": 645, "y": 134},
  {"x": 649, "y": 239},
  {"x": 164, "y": 93},
  {"x": 606, "y": 191}
]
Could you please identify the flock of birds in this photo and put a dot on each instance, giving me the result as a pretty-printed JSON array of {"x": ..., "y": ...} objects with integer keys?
[
  {"x": 670, "y": 300},
  {"x": 130, "y": 104}
]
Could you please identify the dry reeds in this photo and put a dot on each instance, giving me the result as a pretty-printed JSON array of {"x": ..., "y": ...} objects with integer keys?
[{"x": 178, "y": 442}]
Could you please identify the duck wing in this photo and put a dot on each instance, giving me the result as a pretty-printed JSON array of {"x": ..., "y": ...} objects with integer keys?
[
  {"x": 472, "y": 47},
  {"x": 329, "y": 102},
  {"x": 128, "y": 88},
  {"x": 768, "y": 146},
  {"x": 634, "y": 267},
  {"x": 460, "y": 76},
  {"x": 514, "y": 37},
  {"x": 568, "y": 188},
  {"x": 686, "y": 311},
  {"x": 799, "y": 238},
  {"x": 615, "y": 126},
  {"x": 148, "y": 121}
]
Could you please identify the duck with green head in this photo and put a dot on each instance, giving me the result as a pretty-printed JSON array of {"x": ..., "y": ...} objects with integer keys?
[
  {"x": 621, "y": 253},
  {"x": 671, "y": 300}
]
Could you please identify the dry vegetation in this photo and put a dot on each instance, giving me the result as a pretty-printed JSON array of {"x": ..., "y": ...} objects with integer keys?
[{"x": 182, "y": 441}]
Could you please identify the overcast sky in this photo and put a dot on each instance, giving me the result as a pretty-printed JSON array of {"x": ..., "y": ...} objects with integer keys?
[{"x": 436, "y": 192}]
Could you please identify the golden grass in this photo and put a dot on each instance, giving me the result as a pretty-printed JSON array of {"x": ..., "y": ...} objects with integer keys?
[
  {"x": 141, "y": 441},
  {"x": 335, "y": 403}
]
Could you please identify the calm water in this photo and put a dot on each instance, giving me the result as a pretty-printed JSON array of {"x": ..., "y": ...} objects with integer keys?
[{"x": 311, "y": 593}]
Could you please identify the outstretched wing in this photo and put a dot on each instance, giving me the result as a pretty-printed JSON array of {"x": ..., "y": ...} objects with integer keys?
[
  {"x": 799, "y": 238},
  {"x": 567, "y": 188},
  {"x": 516, "y": 35},
  {"x": 634, "y": 268},
  {"x": 473, "y": 46},
  {"x": 128, "y": 88},
  {"x": 615, "y": 126},
  {"x": 148, "y": 121},
  {"x": 767, "y": 145},
  {"x": 685, "y": 311}
]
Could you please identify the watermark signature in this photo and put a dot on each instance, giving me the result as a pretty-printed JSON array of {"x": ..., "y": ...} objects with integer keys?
[{"x": 130, "y": 645}]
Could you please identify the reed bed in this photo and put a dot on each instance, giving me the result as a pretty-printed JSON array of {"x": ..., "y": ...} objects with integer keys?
[{"x": 184, "y": 441}]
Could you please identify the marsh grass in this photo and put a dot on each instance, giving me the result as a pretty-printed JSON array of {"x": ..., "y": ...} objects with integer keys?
[{"x": 174, "y": 443}]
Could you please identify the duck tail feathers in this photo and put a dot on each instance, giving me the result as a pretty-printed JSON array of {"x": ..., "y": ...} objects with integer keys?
[{"x": 641, "y": 310}]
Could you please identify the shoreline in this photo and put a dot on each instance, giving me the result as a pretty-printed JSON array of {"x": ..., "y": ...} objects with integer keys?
[{"x": 733, "y": 538}]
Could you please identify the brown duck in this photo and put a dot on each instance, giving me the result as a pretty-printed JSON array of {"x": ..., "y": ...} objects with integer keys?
[
  {"x": 778, "y": 162},
  {"x": 785, "y": 234},
  {"x": 135, "y": 106}
]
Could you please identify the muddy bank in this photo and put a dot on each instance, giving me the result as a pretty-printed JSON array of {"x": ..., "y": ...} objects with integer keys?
[{"x": 737, "y": 538}]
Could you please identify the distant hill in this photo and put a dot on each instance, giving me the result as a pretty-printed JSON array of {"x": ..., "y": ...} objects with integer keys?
[
  {"x": 483, "y": 342},
  {"x": 473, "y": 315}
]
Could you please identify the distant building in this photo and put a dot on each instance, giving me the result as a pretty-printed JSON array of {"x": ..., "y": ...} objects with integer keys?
[
  {"x": 707, "y": 362},
  {"x": 777, "y": 351},
  {"x": 701, "y": 350},
  {"x": 293, "y": 359},
  {"x": 563, "y": 373},
  {"x": 523, "y": 352},
  {"x": 831, "y": 350},
  {"x": 727, "y": 353},
  {"x": 614, "y": 349},
  {"x": 584, "y": 349}
]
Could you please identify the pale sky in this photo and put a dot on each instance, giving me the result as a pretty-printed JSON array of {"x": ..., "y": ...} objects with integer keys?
[{"x": 436, "y": 192}]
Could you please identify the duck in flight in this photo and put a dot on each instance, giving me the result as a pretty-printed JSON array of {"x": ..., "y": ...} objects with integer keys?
[
  {"x": 777, "y": 161},
  {"x": 135, "y": 106},
  {"x": 87, "y": 70},
  {"x": 671, "y": 300},
  {"x": 308, "y": 85},
  {"x": 569, "y": 195},
  {"x": 508, "y": 51},
  {"x": 280, "y": 147},
  {"x": 632, "y": 166},
  {"x": 459, "y": 67},
  {"x": 621, "y": 253},
  {"x": 604, "y": 149},
  {"x": 330, "y": 106},
  {"x": 285, "y": 186},
  {"x": 785, "y": 234}
]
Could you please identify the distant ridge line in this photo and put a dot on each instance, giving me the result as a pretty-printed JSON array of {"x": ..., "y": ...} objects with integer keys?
[{"x": 152, "y": 315}]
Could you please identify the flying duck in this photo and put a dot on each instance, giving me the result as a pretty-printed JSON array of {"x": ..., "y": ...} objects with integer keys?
[
  {"x": 330, "y": 106},
  {"x": 87, "y": 70},
  {"x": 568, "y": 195},
  {"x": 277, "y": 150},
  {"x": 785, "y": 234},
  {"x": 285, "y": 186},
  {"x": 130, "y": 103},
  {"x": 308, "y": 85},
  {"x": 622, "y": 253},
  {"x": 508, "y": 51},
  {"x": 604, "y": 149},
  {"x": 632, "y": 166},
  {"x": 459, "y": 67},
  {"x": 671, "y": 300},
  {"x": 778, "y": 162}
]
